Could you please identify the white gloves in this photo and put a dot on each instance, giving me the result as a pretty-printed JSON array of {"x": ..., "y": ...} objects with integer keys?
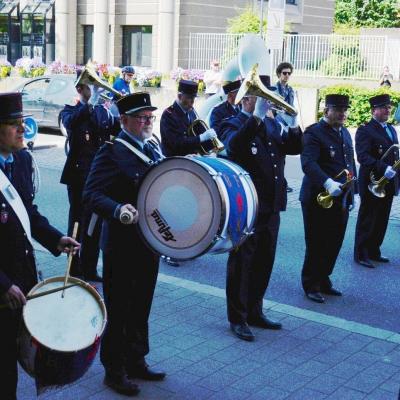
[
  {"x": 209, "y": 134},
  {"x": 333, "y": 187},
  {"x": 261, "y": 108},
  {"x": 287, "y": 120},
  {"x": 128, "y": 214},
  {"x": 94, "y": 98},
  {"x": 390, "y": 173}
]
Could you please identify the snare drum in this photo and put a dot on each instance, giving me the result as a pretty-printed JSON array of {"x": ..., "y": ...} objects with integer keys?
[
  {"x": 189, "y": 206},
  {"x": 60, "y": 337}
]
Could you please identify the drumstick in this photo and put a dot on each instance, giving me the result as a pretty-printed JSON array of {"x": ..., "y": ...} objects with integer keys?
[
  {"x": 70, "y": 255},
  {"x": 45, "y": 293}
]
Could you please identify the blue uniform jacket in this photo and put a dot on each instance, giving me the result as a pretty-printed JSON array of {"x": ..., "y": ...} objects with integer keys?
[
  {"x": 261, "y": 150},
  {"x": 174, "y": 125},
  {"x": 114, "y": 180},
  {"x": 372, "y": 141},
  {"x": 288, "y": 96},
  {"x": 87, "y": 130},
  {"x": 324, "y": 156},
  {"x": 17, "y": 262},
  {"x": 219, "y": 113}
]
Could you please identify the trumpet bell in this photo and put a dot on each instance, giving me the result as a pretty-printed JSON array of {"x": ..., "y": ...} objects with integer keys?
[
  {"x": 196, "y": 128},
  {"x": 377, "y": 190},
  {"x": 90, "y": 77},
  {"x": 253, "y": 86},
  {"x": 325, "y": 200}
]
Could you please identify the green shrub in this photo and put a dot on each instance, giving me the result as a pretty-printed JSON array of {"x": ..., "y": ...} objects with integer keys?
[{"x": 360, "y": 110}]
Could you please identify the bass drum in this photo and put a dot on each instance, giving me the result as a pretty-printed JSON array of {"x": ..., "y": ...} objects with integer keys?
[
  {"x": 60, "y": 336},
  {"x": 189, "y": 206}
]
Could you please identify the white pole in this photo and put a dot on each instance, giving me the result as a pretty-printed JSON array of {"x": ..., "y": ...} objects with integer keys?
[{"x": 261, "y": 17}]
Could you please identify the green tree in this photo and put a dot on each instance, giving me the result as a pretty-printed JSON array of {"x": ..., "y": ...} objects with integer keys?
[
  {"x": 246, "y": 22},
  {"x": 368, "y": 13}
]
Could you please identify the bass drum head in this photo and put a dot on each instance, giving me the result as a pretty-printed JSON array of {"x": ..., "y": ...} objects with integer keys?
[
  {"x": 180, "y": 208},
  {"x": 65, "y": 324}
]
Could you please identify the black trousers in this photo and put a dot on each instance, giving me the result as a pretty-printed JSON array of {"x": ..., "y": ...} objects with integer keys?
[
  {"x": 249, "y": 270},
  {"x": 86, "y": 263},
  {"x": 372, "y": 222},
  {"x": 129, "y": 280},
  {"x": 324, "y": 230},
  {"x": 9, "y": 324}
]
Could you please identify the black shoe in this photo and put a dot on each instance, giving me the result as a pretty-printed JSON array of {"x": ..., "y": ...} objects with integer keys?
[
  {"x": 172, "y": 262},
  {"x": 242, "y": 331},
  {"x": 121, "y": 385},
  {"x": 315, "y": 296},
  {"x": 365, "y": 262},
  {"x": 381, "y": 259},
  {"x": 289, "y": 190},
  {"x": 93, "y": 278},
  {"x": 331, "y": 291},
  {"x": 262, "y": 321},
  {"x": 143, "y": 371}
]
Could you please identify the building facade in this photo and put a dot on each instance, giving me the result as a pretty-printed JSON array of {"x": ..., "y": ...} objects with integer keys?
[{"x": 148, "y": 33}]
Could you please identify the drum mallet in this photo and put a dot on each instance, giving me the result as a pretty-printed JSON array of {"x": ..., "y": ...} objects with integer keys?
[{"x": 70, "y": 255}]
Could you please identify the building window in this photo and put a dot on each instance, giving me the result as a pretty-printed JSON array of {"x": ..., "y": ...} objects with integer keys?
[
  {"x": 137, "y": 45},
  {"x": 294, "y": 2},
  {"x": 87, "y": 43}
]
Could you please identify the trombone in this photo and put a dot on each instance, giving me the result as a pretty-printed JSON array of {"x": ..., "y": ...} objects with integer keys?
[
  {"x": 253, "y": 86},
  {"x": 196, "y": 128},
  {"x": 324, "y": 199},
  {"x": 377, "y": 187},
  {"x": 90, "y": 77}
]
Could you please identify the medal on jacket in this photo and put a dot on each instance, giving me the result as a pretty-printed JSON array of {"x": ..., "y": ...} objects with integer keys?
[
  {"x": 332, "y": 152},
  {"x": 380, "y": 150},
  {"x": 254, "y": 149},
  {"x": 3, "y": 214},
  {"x": 87, "y": 137}
]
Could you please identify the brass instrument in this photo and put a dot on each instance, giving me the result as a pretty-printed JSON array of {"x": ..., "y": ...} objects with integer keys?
[
  {"x": 377, "y": 187},
  {"x": 196, "y": 128},
  {"x": 324, "y": 199},
  {"x": 90, "y": 77},
  {"x": 253, "y": 86}
]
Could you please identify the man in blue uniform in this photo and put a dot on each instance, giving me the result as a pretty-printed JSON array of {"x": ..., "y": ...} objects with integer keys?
[
  {"x": 328, "y": 150},
  {"x": 122, "y": 84},
  {"x": 176, "y": 120},
  {"x": 372, "y": 141},
  {"x": 88, "y": 125},
  {"x": 130, "y": 268},
  {"x": 259, "y": 145},
  {"x": 19, "y": 222},
  {"x": 227, "y": 108}
]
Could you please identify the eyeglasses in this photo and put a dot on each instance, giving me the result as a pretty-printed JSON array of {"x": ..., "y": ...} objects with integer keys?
[
  {"x": 15, "y": 123},
  {"x": 286, "y": 73},
  {"x": 144, "y": 118}
]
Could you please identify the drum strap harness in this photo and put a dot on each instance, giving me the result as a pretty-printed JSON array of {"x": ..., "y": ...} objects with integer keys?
[
  {"x": 14, "y": 199},
  {"x": 134, "y": 150}
]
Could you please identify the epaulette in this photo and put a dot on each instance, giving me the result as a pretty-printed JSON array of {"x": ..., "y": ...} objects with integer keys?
[
  {"x": 108, "y": 142},
  {"x": 169, "y": 109}
]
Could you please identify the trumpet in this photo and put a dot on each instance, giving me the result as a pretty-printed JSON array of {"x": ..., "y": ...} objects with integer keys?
[
  {"x": 90, "y": 77},
  {"x": 196, "y": 128},
  {"x": 253, "y": 86},
  {"x": 377, "y": 187},
  {"x": 324, "y": 199}
]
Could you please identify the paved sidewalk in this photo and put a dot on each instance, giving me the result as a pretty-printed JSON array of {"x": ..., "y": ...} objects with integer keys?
[{"x": 314, "y": 357}]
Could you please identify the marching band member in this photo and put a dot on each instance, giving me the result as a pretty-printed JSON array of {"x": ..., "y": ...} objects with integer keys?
[
  {"x": 328, "y": 151},
  {"x": 259, "y": 145},
  {"x": 88, "y": 125},
  {"x": 130, "y": 267},
  {"x": 227, "y": 108},
  {"x": 372, "y": 141},
  {"x": 175, "y": 121},
  {"x": 20, "y": 220},
  {"x": 122, "y": 84}
]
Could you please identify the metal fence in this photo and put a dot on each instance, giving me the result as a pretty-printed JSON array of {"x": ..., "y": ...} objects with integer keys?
[{"x": 319, "y": 56}]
